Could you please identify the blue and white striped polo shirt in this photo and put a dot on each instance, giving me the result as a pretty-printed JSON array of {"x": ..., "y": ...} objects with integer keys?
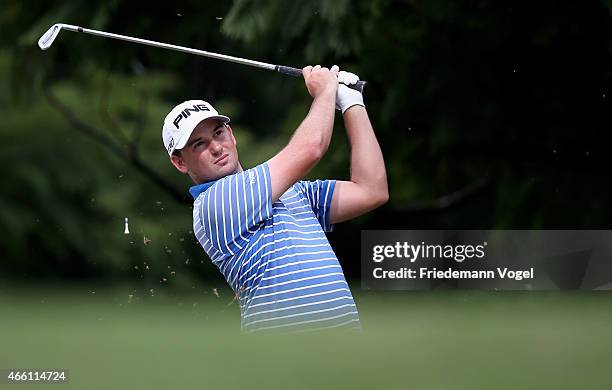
[{"x": 275, "y": 256}]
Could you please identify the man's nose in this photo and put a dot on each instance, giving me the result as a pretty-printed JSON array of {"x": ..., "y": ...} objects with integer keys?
[{"x": 215, "y": 147}]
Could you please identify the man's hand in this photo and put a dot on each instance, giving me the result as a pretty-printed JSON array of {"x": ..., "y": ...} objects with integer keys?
[
  {"x": 347, "y": 97},
  {"x": 320, "y": 80}
]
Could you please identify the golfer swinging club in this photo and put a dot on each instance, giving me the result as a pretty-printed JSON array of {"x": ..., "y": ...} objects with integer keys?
[{"x": 264, "y": 227}]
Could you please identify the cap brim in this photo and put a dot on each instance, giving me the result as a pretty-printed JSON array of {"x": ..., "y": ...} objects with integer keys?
[{"x": 180, "y": 144}]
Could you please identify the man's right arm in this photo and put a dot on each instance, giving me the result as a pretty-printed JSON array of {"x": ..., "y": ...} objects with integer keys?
[{"x": 311, "y": 139}]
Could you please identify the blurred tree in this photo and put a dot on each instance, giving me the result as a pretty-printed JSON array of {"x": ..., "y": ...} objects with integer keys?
[{"x": 465, "y": 94}]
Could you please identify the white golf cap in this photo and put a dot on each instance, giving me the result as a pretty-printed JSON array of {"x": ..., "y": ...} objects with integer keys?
[{"x": 183, "y": 119}]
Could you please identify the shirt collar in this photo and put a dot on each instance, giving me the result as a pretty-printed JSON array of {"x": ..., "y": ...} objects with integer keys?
[{"x": 196, "y": 190}]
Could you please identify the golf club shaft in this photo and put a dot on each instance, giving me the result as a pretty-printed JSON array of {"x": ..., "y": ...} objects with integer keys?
[{"x": 263, "y": 65}]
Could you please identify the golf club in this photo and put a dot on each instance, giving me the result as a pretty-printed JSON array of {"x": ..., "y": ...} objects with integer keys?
[{"x": 47, "y": 39}]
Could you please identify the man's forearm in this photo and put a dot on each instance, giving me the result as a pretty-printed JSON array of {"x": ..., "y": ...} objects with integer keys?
[
  {"x": 306, "y": 147},
  {"x": 367, "y": 163},
  {"x": 311, "y": 139},
  {"x": 314, "y": 133}
]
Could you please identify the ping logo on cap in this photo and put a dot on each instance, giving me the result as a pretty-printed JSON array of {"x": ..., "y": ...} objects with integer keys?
[{"x": 187, "y": 112}]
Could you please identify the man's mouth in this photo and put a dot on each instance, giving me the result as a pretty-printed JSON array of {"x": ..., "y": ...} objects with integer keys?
[{"x": 222, "y": 159}]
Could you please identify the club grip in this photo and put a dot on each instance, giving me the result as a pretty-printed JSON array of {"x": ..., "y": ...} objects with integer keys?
[{"x": 295, "y": 72}]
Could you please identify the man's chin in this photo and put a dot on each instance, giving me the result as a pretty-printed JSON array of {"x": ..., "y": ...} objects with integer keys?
[{"x": 225, "y": 170}]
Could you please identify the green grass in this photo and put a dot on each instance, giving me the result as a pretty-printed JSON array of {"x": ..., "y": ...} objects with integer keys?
[{"x": 420, "y": 340}]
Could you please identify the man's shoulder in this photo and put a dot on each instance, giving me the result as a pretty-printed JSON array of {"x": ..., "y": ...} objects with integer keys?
[{"x": 311, "y": 187}]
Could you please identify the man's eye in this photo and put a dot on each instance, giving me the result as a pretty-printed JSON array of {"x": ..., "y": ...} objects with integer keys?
[{"x": 218, "y": 132}]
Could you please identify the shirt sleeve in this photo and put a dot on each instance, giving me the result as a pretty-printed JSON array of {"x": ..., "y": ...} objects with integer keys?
[
  {"x": 319, "y": 194},
  {"x": 234, "y": 207}
]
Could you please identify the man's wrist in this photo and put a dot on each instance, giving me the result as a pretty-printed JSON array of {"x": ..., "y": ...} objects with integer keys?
[
  {"x": 353, "y": 107},
  {"x": 330, "y": 89},
  {"x": 328, "y": 93}
]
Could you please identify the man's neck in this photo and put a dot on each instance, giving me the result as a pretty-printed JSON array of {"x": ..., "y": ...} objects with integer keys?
[{"x": 197, "y": 181}]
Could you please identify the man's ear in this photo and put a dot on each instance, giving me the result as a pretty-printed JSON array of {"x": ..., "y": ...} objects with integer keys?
[{"x": 179, "y": 163}]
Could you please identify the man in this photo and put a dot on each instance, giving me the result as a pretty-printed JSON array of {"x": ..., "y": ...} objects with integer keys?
[{"x": 264, "y": 227}]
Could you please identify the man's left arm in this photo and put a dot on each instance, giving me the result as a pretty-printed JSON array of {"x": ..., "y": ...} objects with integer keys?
[{"x": 367, "y": 188}]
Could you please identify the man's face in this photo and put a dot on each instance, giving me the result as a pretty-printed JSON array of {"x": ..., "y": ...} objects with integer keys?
[{"x": 210, "y": 152}]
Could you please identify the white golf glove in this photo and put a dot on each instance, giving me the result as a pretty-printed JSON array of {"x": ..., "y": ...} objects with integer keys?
[{"x": 347, "y": 97}]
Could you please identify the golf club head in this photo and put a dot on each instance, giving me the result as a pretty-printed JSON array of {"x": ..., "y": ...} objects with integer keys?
[{"x": 47, "y": 38}]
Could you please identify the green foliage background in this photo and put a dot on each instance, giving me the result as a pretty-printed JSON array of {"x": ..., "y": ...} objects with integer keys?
[{"x": 490, "y": 115}]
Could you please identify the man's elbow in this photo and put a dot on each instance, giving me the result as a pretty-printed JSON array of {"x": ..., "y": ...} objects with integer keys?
[
  {"x": 385, "y": 196},
  {"x": 382, "y": 197},
  {"x": 383, "y": 189}
]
